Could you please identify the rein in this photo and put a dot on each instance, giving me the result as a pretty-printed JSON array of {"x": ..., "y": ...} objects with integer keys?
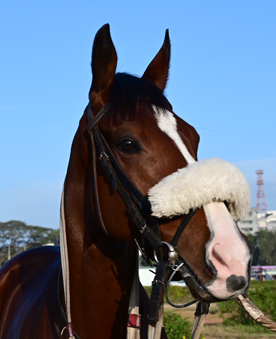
[
  {"x": 137, "y": 206},
  {"x": 65, "y": 270}
]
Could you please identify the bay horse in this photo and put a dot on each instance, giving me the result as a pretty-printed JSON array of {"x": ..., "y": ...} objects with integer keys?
[{"x": 133, "y": 179}]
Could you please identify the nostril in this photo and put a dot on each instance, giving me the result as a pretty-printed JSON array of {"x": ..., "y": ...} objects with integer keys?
[
  {"x": 235, "y": 283},
  {"x": 217, "y": 256}
]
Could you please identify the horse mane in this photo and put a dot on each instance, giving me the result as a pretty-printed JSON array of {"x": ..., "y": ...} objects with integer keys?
[{"x": 127, "y": 90}]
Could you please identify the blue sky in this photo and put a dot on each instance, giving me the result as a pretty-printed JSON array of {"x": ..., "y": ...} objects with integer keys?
[{"x": 222, "y": 81}]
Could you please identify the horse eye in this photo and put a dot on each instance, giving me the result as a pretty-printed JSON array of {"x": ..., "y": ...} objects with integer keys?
[{"x": 127, "y": 146}]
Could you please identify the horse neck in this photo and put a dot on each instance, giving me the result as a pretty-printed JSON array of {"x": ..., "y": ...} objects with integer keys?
[{"x": 101, "y": 268}]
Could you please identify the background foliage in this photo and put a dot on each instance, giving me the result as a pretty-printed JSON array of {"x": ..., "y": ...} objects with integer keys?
[
  {"x": 176, "y": 327},
  {"x": 263, "y": 244},
  {"x": 16, "y": 236}
]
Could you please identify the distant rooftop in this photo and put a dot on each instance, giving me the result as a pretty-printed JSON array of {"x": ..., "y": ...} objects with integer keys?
[{"x": 255, "y": 221}]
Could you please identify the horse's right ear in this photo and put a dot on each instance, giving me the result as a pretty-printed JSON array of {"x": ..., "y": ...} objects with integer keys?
[
  {"x": 157, "y": 71},
  {"x": 104, "y": 62}
]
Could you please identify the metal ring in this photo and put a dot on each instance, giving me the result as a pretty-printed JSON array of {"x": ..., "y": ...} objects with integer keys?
[
  {"x": 172, "y": 253},
  {"x": 167, "y": 288},
  {"x": 103, "y": 154}
]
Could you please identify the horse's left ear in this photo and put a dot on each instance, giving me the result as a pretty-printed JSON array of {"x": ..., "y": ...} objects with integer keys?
[
  {"x": 104, "y": 62},
  {"x": 157, "y": 71}
]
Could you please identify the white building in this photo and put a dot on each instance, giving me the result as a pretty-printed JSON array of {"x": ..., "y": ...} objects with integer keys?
[
  {"x": 271, "y": 220},
  {"x": 257, "y": 221}
]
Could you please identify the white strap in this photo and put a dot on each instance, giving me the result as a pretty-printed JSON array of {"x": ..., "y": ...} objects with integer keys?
[
  {"x": 198, "y": 325},
  {"x": 154, "y": 332},
  {"x": 133, "y": 309},
  {"x": 65, "y": 266}
]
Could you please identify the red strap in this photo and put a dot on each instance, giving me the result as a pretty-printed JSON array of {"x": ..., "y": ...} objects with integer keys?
[
  {"x": 134, "y": 320},
  {"x": 70, "y": 330}
]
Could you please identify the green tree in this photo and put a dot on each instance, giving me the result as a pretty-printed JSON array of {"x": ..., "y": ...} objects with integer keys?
[
  {"x": 263, "y": 245},
  {"x": 4, "y": 237},
  {"x": 16, "y": 236}
]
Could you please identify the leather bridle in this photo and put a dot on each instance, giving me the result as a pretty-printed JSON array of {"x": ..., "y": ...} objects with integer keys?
[
  {"x": 137, "y": 206},
  {"x": 136, "y": 203},
  {"x": 139, "y": 209}
]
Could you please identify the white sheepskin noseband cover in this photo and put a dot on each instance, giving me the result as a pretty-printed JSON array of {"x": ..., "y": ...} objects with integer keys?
[{"x": 199, "y": 184}]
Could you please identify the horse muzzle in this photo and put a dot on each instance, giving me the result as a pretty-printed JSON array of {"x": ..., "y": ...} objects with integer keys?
[
  {"x": 201, "y": 293},
  {"x": 197, "y": 290}
]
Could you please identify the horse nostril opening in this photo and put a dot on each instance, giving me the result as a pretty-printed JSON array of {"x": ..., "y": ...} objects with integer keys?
[
  {"x": 217, "y": 256},
  {"x": 234, "y": 283}
]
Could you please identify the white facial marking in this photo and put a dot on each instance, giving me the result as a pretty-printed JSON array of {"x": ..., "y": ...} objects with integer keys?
[
  {"x": 167, "y": 123},
  {"x": 226, "y": 250}
]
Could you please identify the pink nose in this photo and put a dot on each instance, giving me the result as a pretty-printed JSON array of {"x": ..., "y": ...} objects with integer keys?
[
  {"x": 219, "y": 257},
  {"x": 227, "y": 260},
  {"x": 223, "y": 263}
]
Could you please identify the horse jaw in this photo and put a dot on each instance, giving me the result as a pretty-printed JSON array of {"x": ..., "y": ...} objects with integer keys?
[{"x": 227, "y": 254}]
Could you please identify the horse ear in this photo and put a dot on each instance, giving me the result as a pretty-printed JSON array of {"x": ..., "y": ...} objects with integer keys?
[
  {"x": 104, "y": 62},
  {"x": 157, "y": 71}
]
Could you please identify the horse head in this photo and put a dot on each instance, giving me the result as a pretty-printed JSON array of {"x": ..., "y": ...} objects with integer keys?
[{"x": 157, "y": 151}]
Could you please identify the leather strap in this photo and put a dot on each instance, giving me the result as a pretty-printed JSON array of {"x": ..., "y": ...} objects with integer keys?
[
  {"x": 157, "y": 293},
  {"x": 94, "y": 121},
  {"x": 137, "y": 204},
  {"x": 182, "y": 226},
  {"x": 102, "y": 145},
  {"x": 202, "y": 310},
  {"x": 95, "y": 188},
  {"x": 136, "y": 195}
]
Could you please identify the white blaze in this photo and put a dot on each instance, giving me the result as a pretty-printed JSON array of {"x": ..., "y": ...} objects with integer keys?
[{"x": 167, "y": 123}]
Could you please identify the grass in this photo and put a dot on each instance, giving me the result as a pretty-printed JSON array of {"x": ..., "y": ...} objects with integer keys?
[
  {"x": 263, "y": 295},
  {"x": 176, "y": 327},
  {"x": 234, "y": 332},
  {"x": 219, "y": 331},
  {"x": 236, "y": 323},
  {"x": 177, "y": 294}
]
